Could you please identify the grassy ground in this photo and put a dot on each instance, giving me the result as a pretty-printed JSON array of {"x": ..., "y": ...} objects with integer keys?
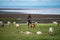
[{"x": 9, "y": 32}]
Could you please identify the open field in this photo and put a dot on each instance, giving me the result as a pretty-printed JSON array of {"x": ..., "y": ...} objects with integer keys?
[{"x": 9, "y": 32}]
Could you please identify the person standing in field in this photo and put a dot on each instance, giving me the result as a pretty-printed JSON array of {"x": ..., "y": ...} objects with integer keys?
[{"x": 29, "y": 20}]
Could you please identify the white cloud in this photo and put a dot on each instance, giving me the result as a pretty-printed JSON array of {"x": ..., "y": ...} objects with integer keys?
[{"x": 44, "y": 11}]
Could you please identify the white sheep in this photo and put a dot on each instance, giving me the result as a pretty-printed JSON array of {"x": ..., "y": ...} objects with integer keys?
[
  {"x": 54, "y": 22},
  {"x": 50, "y": 30},
  {"x": 17, "y": 26},
  {"x": 35, "y": 22},
  {"x": 1, "y": 22},
  {"x": 22, "y": 32},
  {"x": 14, "y": 22},
  {"x": 38, "y": 32},
  {"x": 27, "y": 32},
  {"x": 8, "y": 22}
]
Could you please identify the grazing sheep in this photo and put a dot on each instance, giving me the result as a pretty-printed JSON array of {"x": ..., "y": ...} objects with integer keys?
[
  {"x": 32, "y": 25},
  {"x": 14, "y": 22},
  {"x": 54, "y": 22},
  {"x": 38, "y": 32},
  {"x": 1, "y": 22},
  {"x": 27, "y": 32},
  {"x": 22, "y": 32},
  {"x": 17, "y": 26},
  {"x": 8, "y": 22},
  {"x": 36, "y": 23},
  {"x": 50, "y": 31}
]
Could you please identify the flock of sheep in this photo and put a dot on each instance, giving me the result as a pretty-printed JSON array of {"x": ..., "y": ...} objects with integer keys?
[{"x": 50, "y": 31}]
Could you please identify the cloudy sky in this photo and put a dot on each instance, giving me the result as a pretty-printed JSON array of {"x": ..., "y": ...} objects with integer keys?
[
  {"x": 53, "y": 4},
  {"x": 30, "y": 3},
  {"x": 42, "y": 11}
]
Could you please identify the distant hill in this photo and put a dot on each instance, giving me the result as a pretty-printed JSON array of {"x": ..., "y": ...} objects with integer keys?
[{"x": 35, "y": 17}]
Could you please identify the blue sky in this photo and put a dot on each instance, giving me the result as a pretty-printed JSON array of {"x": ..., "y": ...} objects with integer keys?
[
  {"x": 53, "y": 4},
  {"x": 29, "y": 3}
]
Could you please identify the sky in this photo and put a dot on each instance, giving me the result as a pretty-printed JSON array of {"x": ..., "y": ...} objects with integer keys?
[
  {"x": 42, "y": 11},
  {"x": 53, "y": 4},
  {"x": 29, "y": 3}
]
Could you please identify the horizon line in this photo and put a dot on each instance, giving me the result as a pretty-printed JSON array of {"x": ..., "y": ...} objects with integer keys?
[{"x": 27, "y": 8}]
